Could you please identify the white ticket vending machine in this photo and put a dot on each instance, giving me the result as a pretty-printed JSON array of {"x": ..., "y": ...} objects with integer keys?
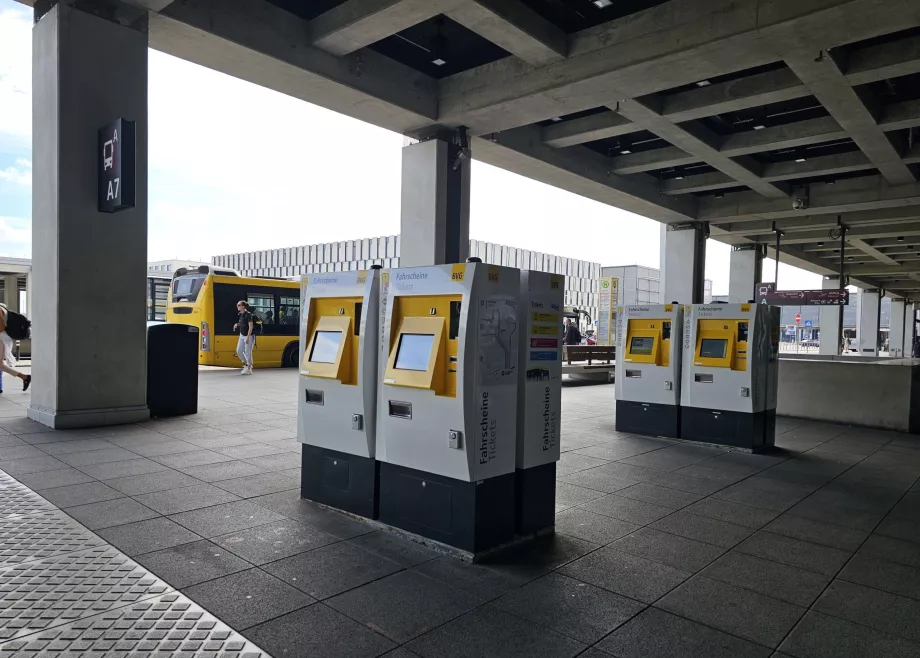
[
  {"x": 729, "y": 379},
  {"x": 648, "y": 369},
  {"x": 539, "y": 400},
  {"x": 447, "y": 403},
  {"x": 336, "y": 417}
]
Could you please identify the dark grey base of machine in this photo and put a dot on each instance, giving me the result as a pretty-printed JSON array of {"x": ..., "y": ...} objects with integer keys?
[
  {"x": 472, "y": 516},
  {"x": 648, "y": 419},
  {"x": 337, "y": 479},
  {"x": 754, "y": 431},
  {"x": 535, "y": 499}
]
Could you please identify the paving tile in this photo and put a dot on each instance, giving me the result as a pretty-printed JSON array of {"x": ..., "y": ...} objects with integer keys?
[
  {"x": 16, "y": 467},
  {"x": 892, "y": 549},
  {"x": 745, "y": 462},
  {"x": 185, "y": 499},
  {"x": 404, "y": 605},
  {"x": 780, "y": 581},
  {"x": 794, "y": 552},
  {"x": 488, "y": 632},
  {"x": 703, "y": 486},
  {"x": 247, "y": 598},
  {"x": 80, "y": 494},
  {"x": 333, "y": 569},
  {"x": 673, "y": 457},
  {"x": 250, "y": 450},
  {"x": 651, "y": 493},
  {"x": 539, "y": 556},
  {"x": 163, "y": 448},
  {"x": 622, "y": 573},
  {"x": 659, "y": 634},
  {"x": 570, "y": 607},
  {"x": 93, "y": 457},
  {"x": 901, "y": 528},
  {"x": 822, "y": 636},
  {"x": 485, "y": 581},
  {"x": 679, "y": 552},
  {"x": 147, "y": 536},
  {"x": 846, "y": 539},
  {"x": 188, "y": 459},
  {"x": 283, "y": 461},
  {"x": 400, "y": 550},
  {"x": 769, "y": 494},
  {"x": 126, "y": 468},
  {"x": 703, "y": 472},
  {"x": 318, "y": 632},
  {"x": 599, "y": 480},
  {"x": 704, "y": 529},
  {"x": 136, "y": 485},
  {"x": 737, "y": 513},
  {"x": 627, "y": 509},
  {"x": 110, "y": 513},
  {"x": 273, "y": 541},
  {"x": 221, "y": 471},
  {"x": 19, "y": 452},
  {"x": 61, "y": 477},
  {"x": 592, "y": 527},
  {"x": 569, "y": 495},
  {"x": 882, "y": 611},
  {"x": 193, "y": 563},
  {"x": 261, "y": 484},
  {"x": 841, "y": 515},
  {"x": 291, "y": 505},
  {"x": 571, "y": 462},
  {"x": 221, "y": 519},
  {"x": 734, "y": 610},
  {"x": 884, "y": 575}
]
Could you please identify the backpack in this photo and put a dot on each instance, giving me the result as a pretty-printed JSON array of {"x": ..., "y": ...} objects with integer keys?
[{"x": 18, "y": 326}]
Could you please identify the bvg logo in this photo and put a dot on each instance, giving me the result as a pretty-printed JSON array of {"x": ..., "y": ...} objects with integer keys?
[{"x": 456, "y": 276}]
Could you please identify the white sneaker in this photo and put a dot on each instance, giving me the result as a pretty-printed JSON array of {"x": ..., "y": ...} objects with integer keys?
[
  {"x": 244, "y": 370},
  {"x": 247, "y": 371}
]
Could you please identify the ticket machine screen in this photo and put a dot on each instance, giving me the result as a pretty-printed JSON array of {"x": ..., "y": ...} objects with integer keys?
[
  {"x": 414, "y": 351},
  {"x": 641, "y": 345},
  {"x": 713, "y": 348},
  {"x": 325, "y": 346}
]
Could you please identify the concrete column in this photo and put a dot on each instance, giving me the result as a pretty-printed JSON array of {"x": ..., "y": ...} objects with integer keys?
[
  {"x": 910, "y": 323},
  {"x": 745, "y": 271},
  {"x": 683, "y": 263},
  {"x": 867, "y": 319},
  {"x": 896, "y": 344},
  {"x": 11, "y": 292},
  {"x": 435, "y": 204},
  {"x": 28, "y": 308},
  {"x": 830, "y": 321},
  {"x": 89, "y": 331}
]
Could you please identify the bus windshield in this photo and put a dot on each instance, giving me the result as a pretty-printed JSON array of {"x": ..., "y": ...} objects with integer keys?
[{"x": 185, "y": 288}]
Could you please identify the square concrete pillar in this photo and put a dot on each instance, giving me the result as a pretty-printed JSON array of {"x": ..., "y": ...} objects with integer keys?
[
  {"x": 683, "y": 263},
  {"x": 11, "y": 292},
  {"x": 910, "y": 329},
  {"x": 867, "y": 320},
  {"x": 89, "y": 328},
  {"x": 896, "y": 344},
  {"x": 830, "y": 321},
  {"x": 434, "y": 205},
  {"x": 745, "y": 271}
]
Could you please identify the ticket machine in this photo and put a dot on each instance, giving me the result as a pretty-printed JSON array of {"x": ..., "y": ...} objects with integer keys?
[
  {"x": 336, "y": 417},
  {"x": 447, "y": 402},
  {"x": 729, "y": 378},
  {"x": 648, "y": 369},
  {"x": 539, "y": 400}
]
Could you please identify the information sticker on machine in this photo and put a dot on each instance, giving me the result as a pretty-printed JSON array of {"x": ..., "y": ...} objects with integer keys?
[{"x": 498, "y": 340}]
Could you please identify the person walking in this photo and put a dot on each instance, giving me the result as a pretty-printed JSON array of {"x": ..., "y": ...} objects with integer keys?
[
  {"x": 7, "y": 361},
  {"x": 572, "y": 334},
  {"x": 247, "y": 340}
]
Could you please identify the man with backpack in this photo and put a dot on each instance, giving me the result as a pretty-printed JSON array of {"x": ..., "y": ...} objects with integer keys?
[
  {"x": 13, "y": 326},
  {"x": 246, "y": 325}
]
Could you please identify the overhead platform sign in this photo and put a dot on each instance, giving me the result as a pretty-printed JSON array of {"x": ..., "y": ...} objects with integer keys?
[
  {"x": 117, "y": 166},
  {"x": 766, "y": 295}
]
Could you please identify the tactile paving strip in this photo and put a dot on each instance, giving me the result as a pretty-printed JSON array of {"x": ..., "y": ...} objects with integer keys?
[
  {"x": 169, "y": 625},
  {"x": 42, "y": 535},
  {"x": 18, "y": 500}
]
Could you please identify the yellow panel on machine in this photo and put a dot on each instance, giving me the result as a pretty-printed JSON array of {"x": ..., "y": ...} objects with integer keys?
[
  {"x": 332, "y": 350},
  {"x": 722, "y": 344},
  {"x": 648, "y": 340}
]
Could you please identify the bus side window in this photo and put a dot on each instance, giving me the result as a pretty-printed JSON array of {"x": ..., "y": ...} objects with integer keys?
[{"x": 289, "y": 313}]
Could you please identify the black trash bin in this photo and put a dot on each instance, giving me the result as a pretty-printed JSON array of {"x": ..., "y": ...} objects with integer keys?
[{"x": 172, "y": 369}]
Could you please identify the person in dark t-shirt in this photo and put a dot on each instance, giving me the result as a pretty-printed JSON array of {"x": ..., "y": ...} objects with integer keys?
[
  {"x": 572, "y": 334},
  {"x": 247, "y": 340}
]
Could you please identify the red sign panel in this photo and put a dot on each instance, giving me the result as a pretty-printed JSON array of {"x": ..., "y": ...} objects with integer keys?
[{"x": 544, "y": 343}]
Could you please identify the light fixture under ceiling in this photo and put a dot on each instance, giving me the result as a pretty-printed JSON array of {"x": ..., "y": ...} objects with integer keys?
[
  {"x": 900, "y": 238},
  {"x": 556, "y": 119},
  {"x": 759, "y": 127},
  {"x": 602, "y": 4},
  {"x": 703, "y": 83},
  {"x": 820, "y": 244},
  {"x": 625, "y": 152},
  {"x": 800, "y": 159}
]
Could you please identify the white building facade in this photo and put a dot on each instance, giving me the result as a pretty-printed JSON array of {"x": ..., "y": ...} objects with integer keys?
[{"x": 580, "y": 276}]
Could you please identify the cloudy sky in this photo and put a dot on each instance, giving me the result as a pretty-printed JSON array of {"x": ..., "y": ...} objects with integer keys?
[{"x": 235, "y": 167}]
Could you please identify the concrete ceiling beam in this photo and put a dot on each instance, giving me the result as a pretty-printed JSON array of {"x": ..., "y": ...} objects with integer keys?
[
  {"x": 824, "y": 77},
  {"x": 663, "y": 158},
  {"x": 900, "y": 116},
  {"x": 355, "y": 24},
  {"x": 883, "y": 61},
  {"x": 515, "y": 27},
  {"x": 873, "y": 269},
  {"x": 806, "y": 237},
  {"x": 695, "y": 139},
  {"x": 713, "y": 180},
  {"x": 587, "y": 129},
  {"x": 869, "y": 250},
  {"x": 808, "y": 222}
]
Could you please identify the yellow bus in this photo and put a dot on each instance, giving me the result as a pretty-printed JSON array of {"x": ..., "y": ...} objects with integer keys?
[{"x": 206, "y": 298}]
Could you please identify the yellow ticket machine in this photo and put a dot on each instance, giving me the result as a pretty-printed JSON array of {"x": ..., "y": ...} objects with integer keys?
[
  {"x": 447, "y": 402},
  {"x": 338, "y": 390},
  {"x": 729, "y": 378}
]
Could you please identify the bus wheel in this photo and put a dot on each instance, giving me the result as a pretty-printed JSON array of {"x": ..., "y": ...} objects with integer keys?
[{"x": 290, "y": 356}]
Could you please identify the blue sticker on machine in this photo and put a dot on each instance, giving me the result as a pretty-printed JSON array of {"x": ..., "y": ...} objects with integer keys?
[{"x": 544, "y": 356}]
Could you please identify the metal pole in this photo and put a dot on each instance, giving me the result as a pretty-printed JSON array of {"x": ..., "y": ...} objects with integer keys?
[
  {"x": 843, "y": 243},
  {"x": 776, "y": 273}
]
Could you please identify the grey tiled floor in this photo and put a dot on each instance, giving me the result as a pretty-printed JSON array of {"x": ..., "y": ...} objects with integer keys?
[{"x": 662, "y": 548}]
